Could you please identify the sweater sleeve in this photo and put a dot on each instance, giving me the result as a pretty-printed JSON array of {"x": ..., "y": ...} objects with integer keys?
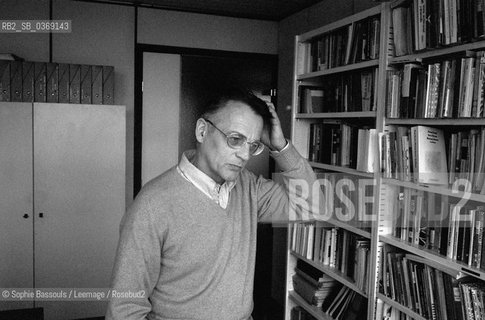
[
  {"x": 292, "y": 198},
  {"x": 137, "y": 264}
]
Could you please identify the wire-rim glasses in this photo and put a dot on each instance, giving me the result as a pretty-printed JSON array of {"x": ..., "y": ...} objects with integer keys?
[{"x": 236, "y": 141}]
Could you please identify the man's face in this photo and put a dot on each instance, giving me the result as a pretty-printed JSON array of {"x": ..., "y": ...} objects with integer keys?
[{"x": 215, "y": 158}]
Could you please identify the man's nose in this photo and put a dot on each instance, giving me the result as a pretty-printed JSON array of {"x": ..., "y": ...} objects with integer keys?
[{"x": 243, "y": 152}]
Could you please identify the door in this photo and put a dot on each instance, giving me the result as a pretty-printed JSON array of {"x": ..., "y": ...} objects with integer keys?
[
  {"x": 16, "y": 198},
  {"x": 79, "y": 181}
]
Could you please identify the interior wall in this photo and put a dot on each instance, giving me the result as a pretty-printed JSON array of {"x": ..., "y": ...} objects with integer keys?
[
  {"x": 30, "y": 46},
  {"x": 184, "y": 29},
  {"x": 318, "y": 15}
]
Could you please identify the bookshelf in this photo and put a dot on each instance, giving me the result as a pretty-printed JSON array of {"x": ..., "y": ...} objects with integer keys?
[
  {"x": 335, "y": 61},
  {"x": 413, "y": 83},
  {"x": 434, "y": 83}
]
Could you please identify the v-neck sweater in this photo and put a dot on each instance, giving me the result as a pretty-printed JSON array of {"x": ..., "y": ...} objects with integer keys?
[{"x": 188, "y": 257}]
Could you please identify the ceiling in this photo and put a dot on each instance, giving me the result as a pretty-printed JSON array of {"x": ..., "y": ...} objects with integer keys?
[{"x": 274, "y": 10}]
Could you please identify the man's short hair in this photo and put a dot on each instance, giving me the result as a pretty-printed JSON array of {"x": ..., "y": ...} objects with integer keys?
[{"x": 221, "y": 96}]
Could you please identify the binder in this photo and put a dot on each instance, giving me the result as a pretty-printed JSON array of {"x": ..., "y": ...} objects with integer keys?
[
  {"x": 39, "y": 82},
  {"x": 86, "y": 93},
  {"x": 63, "y": 82},
  {"x": 16, "y": 81},
  {"x": 97, "y": 84},
  {"x": 52, "y": 70},
  {"x": 108, "y": 85},
  {"x": 27, "y": 81},
  {"x": 4, "y": 80},
  {"x": 74, "y": 83}
]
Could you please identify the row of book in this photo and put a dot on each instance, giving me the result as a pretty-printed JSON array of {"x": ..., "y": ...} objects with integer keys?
[
  {"x": 335, "y": 248},
  {"x": 347, "y": 305},
  {"x": 353, "y": 43},
  {"x": 447, "y": 89},
  {"x": 341, "y": 93},
  {"x": 446, "y": 226},
  {"x": 320, "y": 290},
  {"x": 338, "y": 143},
  {"x": 432, "y": 293},
  {"x": 333, "y": 142},
  {"x": 424, "y": 24},
  {"x": 24, "y": 81},
  {"x": 422, "y": 155},
  {"x": 312, "y": 285}
]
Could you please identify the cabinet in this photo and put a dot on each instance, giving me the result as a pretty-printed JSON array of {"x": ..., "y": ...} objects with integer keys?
[
  {"x": 62, "y": 177},
  {"x": 420, "y": 142}
]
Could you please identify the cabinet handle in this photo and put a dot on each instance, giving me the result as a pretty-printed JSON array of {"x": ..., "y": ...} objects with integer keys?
[
  {"x": 41, "y": 215},
  {"x": 26, "y": 216}
]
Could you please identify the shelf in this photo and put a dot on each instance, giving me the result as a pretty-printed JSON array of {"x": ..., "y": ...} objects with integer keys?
[
  {"x": 350, "y": 228},
  {"x": 431, "y": 53},
  {"x": 435, "y": 260},
  {"x": 313, "y": 310},
  {"x": 341, "y": 169},
  {"x": 350, "y": 67},
  {"x": 400, "y": 307},
  {"x": 333, "y": 115},
  {"x": 438, "y": 122},
  {"x": 435, "y": 189},
  {"x": 336, "y": 274}
]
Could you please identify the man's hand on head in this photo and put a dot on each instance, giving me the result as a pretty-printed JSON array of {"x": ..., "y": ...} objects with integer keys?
[{"x": 273, "y": 136}]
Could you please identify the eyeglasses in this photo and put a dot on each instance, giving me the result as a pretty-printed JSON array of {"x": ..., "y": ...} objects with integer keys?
[{"x": 236, "y": 141}]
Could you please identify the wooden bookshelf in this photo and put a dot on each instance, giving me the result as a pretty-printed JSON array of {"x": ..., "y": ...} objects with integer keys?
[
  {"x": 386, "y": 64},
  {"x": 301, "y": 123}
]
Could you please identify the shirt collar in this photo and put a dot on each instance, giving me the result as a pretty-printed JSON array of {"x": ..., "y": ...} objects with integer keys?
[{"x": 219, "y": 193}]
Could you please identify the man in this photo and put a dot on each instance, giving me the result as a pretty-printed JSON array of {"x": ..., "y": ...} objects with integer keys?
[{"x": 187, "y": 244}]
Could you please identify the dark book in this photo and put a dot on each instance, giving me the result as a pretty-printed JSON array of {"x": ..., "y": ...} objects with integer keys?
[
  {"x": 40, "y": 82},
  {"x": 16, "y": 81},
  {"x": 28, "y": 81}
]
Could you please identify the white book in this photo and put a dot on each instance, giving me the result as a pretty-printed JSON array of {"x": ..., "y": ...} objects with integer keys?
[{"x": 429, "y": 155}]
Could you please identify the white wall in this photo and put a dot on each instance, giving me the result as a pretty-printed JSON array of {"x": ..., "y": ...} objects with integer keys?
[
  {"x": 161, "y": 96},
  {"x": 195, "y": 30},
  {"x": 32, "y": 47}
]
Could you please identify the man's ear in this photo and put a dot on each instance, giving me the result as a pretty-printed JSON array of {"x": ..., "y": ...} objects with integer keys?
[{"x": 200, "y": 130}]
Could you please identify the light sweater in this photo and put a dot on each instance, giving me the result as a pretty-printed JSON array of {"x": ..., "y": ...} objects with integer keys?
[{"x": 191, "y": 258}]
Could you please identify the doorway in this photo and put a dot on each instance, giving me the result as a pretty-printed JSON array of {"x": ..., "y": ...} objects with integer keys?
[{"x": 190, "y": 73}]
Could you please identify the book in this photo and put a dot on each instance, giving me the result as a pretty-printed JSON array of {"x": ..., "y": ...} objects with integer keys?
[{"x": 429, "y": 155}]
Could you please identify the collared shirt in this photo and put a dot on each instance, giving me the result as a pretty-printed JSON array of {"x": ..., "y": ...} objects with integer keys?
[{"x": 219, "y": 193}]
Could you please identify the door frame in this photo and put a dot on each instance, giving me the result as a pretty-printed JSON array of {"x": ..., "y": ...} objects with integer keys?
[{"x": 140, "y": 49}]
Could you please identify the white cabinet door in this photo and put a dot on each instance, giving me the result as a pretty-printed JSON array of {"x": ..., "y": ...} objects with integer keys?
[
  {"x": 79, "y": 192},
  {"x": 16, "y": 223}
]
